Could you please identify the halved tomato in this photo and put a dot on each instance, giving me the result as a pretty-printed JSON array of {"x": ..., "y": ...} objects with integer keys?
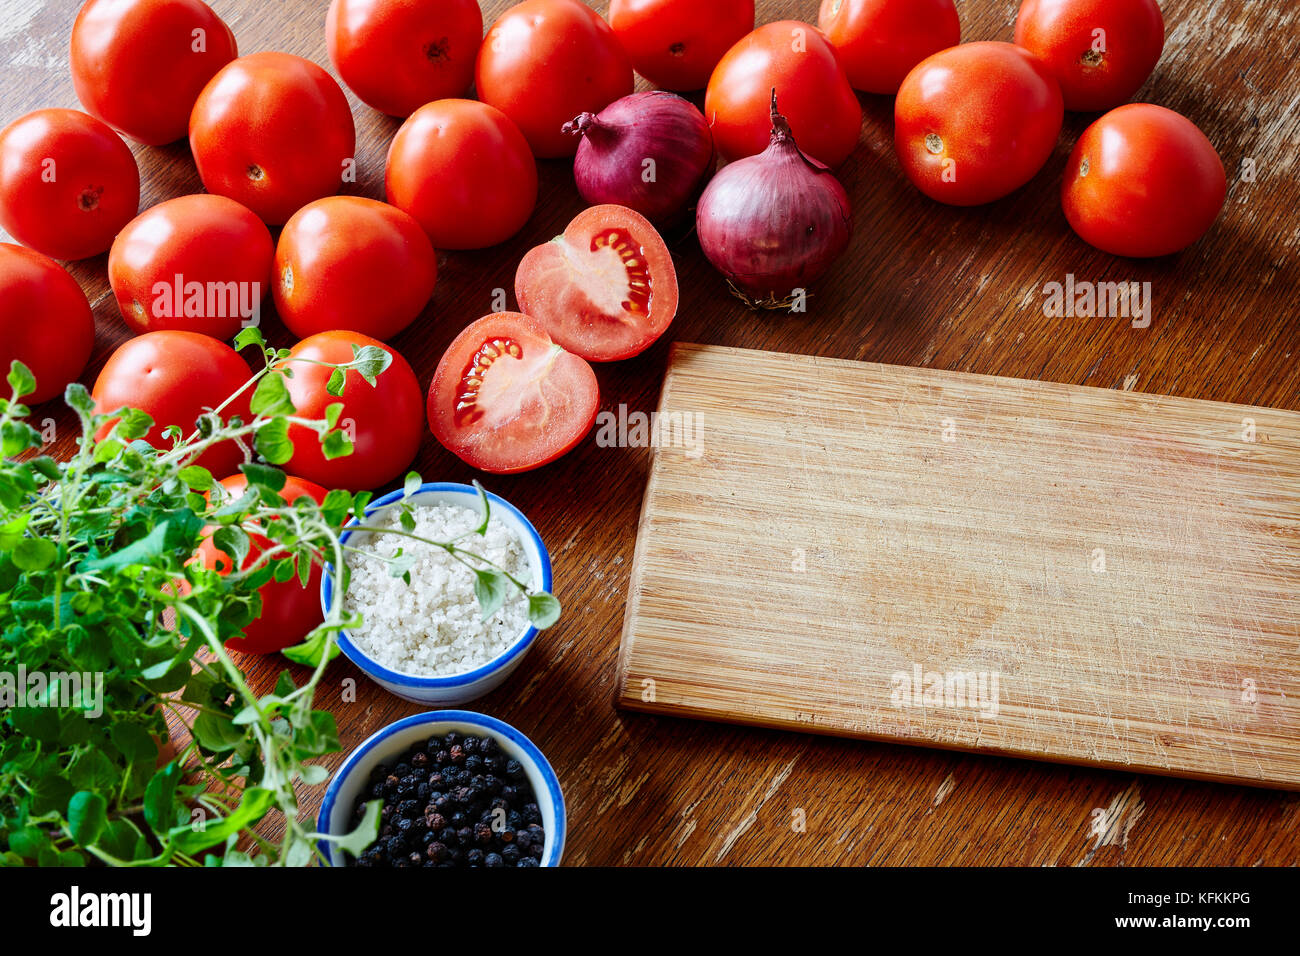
[
  {"x": 505, "y": 398},
  {"x": 606, "y": 289}
]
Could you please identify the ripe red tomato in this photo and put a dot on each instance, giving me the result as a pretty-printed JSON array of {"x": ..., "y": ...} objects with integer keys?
[
  {"x": 344, "y": 262},
  {"x": 544, "y": 62},
  {"x": 604, "y": 290},
  {"x": 175, "y": 377},
  {"x": 675, "y": 44},
  {"x": 464, "y": 171},
  {"x": 879, "y": 41},
  {"x": 382, "y": 421},
  {"x": 272, "y": 131},
  {"x": 810, "y": 84},
  {"x": 67, "y": 183},
  {"x": 397, "y": 55},
  {"x": 45, "y": 321},
  {"x": 139, "y": 65},
  {"x": 1143, "y": 181},
  {"x": 1100, "y": 51},
  {"x": 976, "y": 122},
  {"x": 289, "y": 611},
  {"x": 505, "y": 398},
  {"x": 198, "y": 263}
]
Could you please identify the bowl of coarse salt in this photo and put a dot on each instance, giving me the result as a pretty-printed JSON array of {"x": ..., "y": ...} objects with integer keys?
[{"x": 427, "y": 641}]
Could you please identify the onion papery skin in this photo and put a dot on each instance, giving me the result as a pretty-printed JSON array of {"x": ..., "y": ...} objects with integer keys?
[
  {"x": 774, "y": 223},
  {"x": 611, "y": 165}
]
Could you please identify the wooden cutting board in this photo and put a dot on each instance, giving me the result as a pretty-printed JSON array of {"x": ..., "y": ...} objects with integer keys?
[{"x": 962, "y": 561}]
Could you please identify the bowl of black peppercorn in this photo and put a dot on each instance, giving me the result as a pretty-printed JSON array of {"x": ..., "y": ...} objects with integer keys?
[{"x": 452, "y": 789}]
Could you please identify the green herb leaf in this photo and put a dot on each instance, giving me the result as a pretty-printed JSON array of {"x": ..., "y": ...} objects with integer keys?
[
  {"x": 335, "y": 444},
  {"x": 272, "y": 441},
  {"x": 491, "y": 587},
  {"x": 197, "y": 477},
  {"x": 271, "y": 397},
  {"x": 308, "y": 653},
  {"x": 34, "y": 554},
  {"x": 486, "y": 508},
  {"x": 364, "y": 833},
  {"x": 160, "y": 798},
  {"x": 336, "y": 381},
  {"x": 249, "y": 335},
  {"x": 543, "y": 610},
  {"x": 87, "y": 816},
  {"x": 20, "y": 379},
  {"x": 412, "y": 484}
]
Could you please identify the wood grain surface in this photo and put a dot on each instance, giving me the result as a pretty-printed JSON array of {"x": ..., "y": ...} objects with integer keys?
[
  {"x": 923, "y": 285},
  {"x": 971, "y": 562}
]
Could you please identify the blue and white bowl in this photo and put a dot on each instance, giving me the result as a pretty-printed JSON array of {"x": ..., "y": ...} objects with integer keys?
[
  {"x": 454, "y": 689},
  {"x": 389, "y": 743}
]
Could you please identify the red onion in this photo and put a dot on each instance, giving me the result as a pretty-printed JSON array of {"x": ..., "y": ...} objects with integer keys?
[
  {"x": 652, "y": 152},
  {"x": 773, "y": 223}
]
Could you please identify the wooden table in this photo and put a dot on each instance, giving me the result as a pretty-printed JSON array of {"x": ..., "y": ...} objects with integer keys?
[{"x": 924, "y": 285}]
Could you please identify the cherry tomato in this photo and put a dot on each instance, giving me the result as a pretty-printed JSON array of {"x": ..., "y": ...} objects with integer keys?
[
  {"x": 139, "y": 65},
  {"x": 976, "y": 122},
  {"x": 1143, "y": 181},
  {"x": 505, "y": 398},
  {"x": 381, "y": 420},
  {"x": 1100, "y": 51},
  {"x": 272, "y": 131},
  {"x": 464, "y": 171},
  {"x": 289, "y": 611},
  {"x": 344, "y": 262},
  {"x": 45, "y": 321},
  {"x": 811, "y": 85},
  {"x": 675, "y": 44},
  {"x": 67, "y": 183},
  {"x": 604, "y": 290},
  {"x": 544, "y": 62},
  {"x": 879, "y": 41},
  {"x": 175, "y": 377},
  {"x": 397, "y": 55},
  {"x": 198, "y": 263}
]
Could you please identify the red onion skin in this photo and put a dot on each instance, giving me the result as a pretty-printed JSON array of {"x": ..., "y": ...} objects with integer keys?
[
  {"x": 774, "y": 222},
  {"x": 610, "y": 165}
]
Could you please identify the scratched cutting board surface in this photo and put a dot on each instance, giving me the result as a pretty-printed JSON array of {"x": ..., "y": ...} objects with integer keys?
[{"x": 962, "y": 561}]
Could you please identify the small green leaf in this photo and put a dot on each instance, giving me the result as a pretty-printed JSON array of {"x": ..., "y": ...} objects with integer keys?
[
  {"x": 262, "y": 476},
  {"x": 250, "y": 335},
  {"x": 160, "y": 798},
  {"x": 412, "y": 484},
  {"x": 332, "y": 412},
  {"x": 34, "y": 554},
  {"x": 78, "y": 399},
  {"x": 308, "y": 653},
  {"x": 335, "y": 384},
  {"x": 87, "y": 816},
  {"x": 233, "y": 540},
  {"x": 543, "y": 610},
  {"x": 191, "y": 839},
  {"x": 273, "y": 442},
  {"x": 197, "y": 477},
  {"x": 271, "y": 397},
  {"x": 365, "y": 832},
  {"x": 335, "y": 444},
  {"x": 370, "y": 361},
  {"x": 491, "y": 587},
  {"x": 20, "y": 379}
]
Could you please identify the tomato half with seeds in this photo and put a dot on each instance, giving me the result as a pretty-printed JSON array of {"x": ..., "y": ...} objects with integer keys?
[
  {"x": 381, "y": 420},
  {"x": 606, "y": 289},
  {"x": 272, "y": 131},
  {"x": 505, "y": 398},
  {"x": 67, "y": 183},
  {"x": 977, "y": 121},
  {"x": 1101, "y": 51},
  {"x": 289, "y": 611},
  {"x": 1143, "y": 181}
]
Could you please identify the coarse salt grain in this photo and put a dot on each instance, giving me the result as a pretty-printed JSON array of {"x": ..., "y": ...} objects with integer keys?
[{"x": 434, "y": 627}]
